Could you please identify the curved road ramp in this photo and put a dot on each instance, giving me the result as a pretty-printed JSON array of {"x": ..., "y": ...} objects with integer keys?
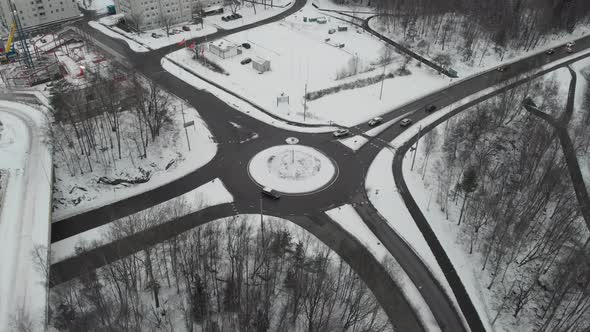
[{"x": 25, "y": 212}]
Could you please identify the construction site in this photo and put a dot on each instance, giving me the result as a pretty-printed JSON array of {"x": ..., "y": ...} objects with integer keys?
[{"x": 27, "y": 61}]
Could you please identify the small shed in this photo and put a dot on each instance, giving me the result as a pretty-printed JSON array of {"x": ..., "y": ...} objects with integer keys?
[
  {"x": 224, "y": 49},
  {"x": 261, "y": 65}
]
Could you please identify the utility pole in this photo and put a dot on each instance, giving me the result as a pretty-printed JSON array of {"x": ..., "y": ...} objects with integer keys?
[
  {"x": 261, "y": 221},
  {"x": 382, "y": 81},
  {"x": 305, "y": 103},
  {"x": 416, "y": 148},
  {"x": 184, "y": 125}
]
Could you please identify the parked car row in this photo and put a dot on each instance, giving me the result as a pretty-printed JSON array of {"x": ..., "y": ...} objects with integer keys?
[
  {"x": 172, "y": 32},
  {"x": 231, "y": 17}
]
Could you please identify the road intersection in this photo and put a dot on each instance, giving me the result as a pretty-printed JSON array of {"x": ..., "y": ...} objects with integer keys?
[{"x": 305, "y": 210}]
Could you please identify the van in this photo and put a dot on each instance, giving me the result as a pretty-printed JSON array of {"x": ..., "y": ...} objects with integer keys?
[{"x": 271, "y": 193}]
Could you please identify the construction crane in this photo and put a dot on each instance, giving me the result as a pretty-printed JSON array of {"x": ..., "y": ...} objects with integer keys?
[{"x": 9, "y": 54}]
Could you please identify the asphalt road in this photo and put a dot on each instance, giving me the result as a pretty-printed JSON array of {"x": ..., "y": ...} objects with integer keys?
[{"x": 229, "y": 165}]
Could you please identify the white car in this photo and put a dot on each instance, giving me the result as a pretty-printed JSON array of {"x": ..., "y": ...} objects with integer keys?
[
  {"x": 570, "y": 44},
  {"x": 375, "y": 121},
  {"x": 341, "y": 133},
  {"x": 405, "y": 122}
]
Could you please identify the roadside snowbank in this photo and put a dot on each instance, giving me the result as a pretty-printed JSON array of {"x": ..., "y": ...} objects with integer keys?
[
  {"x": 207, "y": 195},
  {"x": 25, "y": 215}
]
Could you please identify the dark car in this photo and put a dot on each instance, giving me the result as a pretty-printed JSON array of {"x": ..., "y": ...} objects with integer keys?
[
  {"x": 234, "y": 16},
  {"x": 405, "y": 122},
  {"x": 271, "y": 193},
  {"x": 246, "y": 61},
  {"x": 238, "y": 15},
  {"x": 186, "y": 28},
  {"x": 246, "y": 46},
  {"x": 430, "y": 109},
  {"x": 224, "y": 18}
]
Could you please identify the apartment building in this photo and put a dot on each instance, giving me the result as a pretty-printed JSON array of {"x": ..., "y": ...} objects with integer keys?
[
  {"x": 35, "y": 14},
  {"x": 150, "y": 13}
]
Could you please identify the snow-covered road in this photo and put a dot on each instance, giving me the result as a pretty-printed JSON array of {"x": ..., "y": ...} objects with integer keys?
[{"x": 25, "y": 213}]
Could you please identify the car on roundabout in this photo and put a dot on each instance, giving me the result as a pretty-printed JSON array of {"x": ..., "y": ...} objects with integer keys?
[{"x": 341, "y": 133}]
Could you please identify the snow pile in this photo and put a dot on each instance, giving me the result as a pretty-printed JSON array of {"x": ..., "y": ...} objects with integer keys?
[
  {"x": 292, "y": 169},
  {"x": 133, "y": 45},
  {"x": 210, "y": 194}
]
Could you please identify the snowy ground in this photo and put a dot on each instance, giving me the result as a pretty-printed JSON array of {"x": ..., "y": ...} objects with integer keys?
[
  {"x": 237, "y": 103},
  {"x": 583, "y": 74},
  {"x": 25, "y": 214},
  {"x": 300, "y": 56},
  {"x": 144, "y": 42},
  {"x": 74, "y": 195},
  {"x": 292, "y": 169},
  {"x": 100, "y": 6},
  {"x": 210, "y": 194},
  {"x": 383, "y": 195},
  {"x": 347, "y": 217}
]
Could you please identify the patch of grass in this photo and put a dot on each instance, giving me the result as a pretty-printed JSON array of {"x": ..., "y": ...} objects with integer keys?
[{"x": 210, "y": 64}]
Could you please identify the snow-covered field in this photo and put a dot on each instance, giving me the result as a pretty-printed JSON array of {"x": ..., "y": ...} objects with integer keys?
[
  {"x": 347, "y": 217},
  {"x": 303, "y": 59},
  {"x": 293, "y": 169},
  {"x": 25, "y": 216},
  {"x": 210, "y": 194},
  {"x": 237, "y": 103},
  {"x": 168, "y": 159}
]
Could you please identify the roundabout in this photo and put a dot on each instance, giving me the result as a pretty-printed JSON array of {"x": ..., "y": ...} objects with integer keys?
[{"x": 293, "y": 169}]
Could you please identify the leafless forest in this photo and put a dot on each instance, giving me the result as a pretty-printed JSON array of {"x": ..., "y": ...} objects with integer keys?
[
  {"x": 502, "y": 170},
  {"x": 115, "y": 115},
  {"x": 474, "y": 29},
  {"x": 231, "y": 275}
]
